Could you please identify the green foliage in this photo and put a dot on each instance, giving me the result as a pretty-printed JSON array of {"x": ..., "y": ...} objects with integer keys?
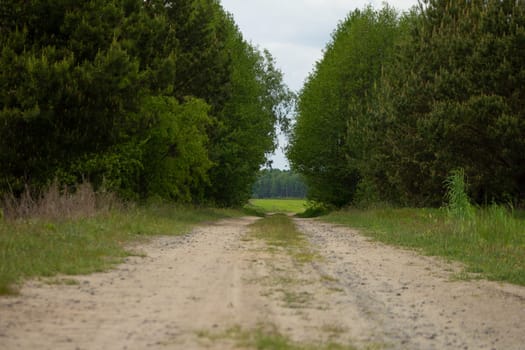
[
  {"x": 146, "y": 98},
  {"x": 246, "y": 126},
  {"x": 60, "y": 104},
  {"x": 367, "y": 194},
  {"x": 458, "y": 201},
  {"x": 175, "y": 154},
  {"x": 331, "y": 142},
  {"x": 117, "y": 170},
  {"x": 276, "y": 183},
  {"x": 451, "y": 100},
  {"x": 396, "y": 102}
]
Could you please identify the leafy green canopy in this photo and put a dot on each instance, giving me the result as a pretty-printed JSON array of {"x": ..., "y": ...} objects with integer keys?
[
  {"x": 148, "y": 98},
  {"x": 330, "y": 141},
  {"x": 396, "y": 104}
]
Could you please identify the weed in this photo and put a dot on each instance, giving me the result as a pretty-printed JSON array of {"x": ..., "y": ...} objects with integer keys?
[{"x": 458, "y": 202}]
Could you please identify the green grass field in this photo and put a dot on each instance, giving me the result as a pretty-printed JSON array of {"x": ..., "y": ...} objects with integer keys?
[
  {"x": 491, "y": 243},
  {"x": 294, "y": 206},
  {"x": 34, "y": 248}
]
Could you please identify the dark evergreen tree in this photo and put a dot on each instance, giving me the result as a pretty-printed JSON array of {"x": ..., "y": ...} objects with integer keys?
[
  {"x": 148, "y": 98},
  {"x": 69, "y": 88},
  {"x": 454, "y": 99}
]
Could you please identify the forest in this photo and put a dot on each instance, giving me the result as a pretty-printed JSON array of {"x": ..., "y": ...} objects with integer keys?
[
  {"x": 147, "y": 99},
  {"x": 166, "y": 99},
  {"x": 276, "y": 183},
  {"x": 400, "y": 101}
]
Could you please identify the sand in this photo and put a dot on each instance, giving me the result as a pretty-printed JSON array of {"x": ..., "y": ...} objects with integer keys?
[{"x": 190, "y": 292}]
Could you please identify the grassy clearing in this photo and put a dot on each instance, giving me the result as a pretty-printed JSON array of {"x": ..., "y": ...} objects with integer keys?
[
  {"x": 280, "y": 232},
  {"x": 47, "y": 247},
  {"x": 489, "y": 241},
  {"x": 266, "y": 337},
  {"x": 293, "y": 206}
]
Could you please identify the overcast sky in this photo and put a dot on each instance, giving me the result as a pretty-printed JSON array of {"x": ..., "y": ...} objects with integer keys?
[{"x": 295, "y": 32}]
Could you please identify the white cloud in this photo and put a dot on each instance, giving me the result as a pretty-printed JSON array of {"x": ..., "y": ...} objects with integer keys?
[
  {"x": 295, "y": 31},
  {"x": 295, "y": 61}
]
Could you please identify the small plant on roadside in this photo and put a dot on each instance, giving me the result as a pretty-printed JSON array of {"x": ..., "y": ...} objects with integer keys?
[{"x": 458, "y": 201}]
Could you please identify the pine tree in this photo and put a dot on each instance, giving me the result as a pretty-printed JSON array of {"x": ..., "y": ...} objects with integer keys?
[{"x": 456, "y": 102}]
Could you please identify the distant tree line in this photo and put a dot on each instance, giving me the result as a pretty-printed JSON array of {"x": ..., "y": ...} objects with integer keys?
[
  {"x": 155, "y": 98},
  {"x": 400, "y": 101},
  {"x": 276, "y": 183}
]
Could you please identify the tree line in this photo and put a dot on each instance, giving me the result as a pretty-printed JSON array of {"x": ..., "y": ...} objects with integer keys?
[
  {"x": 399, "y": 101},
  {"x": 155, "y": 98},
  {"x": 276, "y": 183}
]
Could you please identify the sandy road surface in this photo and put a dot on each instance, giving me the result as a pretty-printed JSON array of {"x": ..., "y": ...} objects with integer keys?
[{"x": 189, "y": 291}]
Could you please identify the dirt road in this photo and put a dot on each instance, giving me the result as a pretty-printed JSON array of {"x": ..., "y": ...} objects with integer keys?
[{"x": 220, "y": 288}]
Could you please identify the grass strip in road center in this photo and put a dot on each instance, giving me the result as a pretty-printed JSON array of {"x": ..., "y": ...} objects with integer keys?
[
  {"x": 279, "y": 232},
  {"x": 267, "y": 337}
]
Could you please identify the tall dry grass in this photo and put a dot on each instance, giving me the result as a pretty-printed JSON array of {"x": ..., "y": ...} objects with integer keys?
[{"x": 58, "y": 202}]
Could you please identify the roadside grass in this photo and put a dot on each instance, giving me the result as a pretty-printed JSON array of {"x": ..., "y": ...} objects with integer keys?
[
  {"x": 49, "y": 247},
  {"x": 280, "y": 232},
  {"x": 293, "y": 206},
  {"x": 267, "y": 337},
  {"x": 490, "y": 241}
]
